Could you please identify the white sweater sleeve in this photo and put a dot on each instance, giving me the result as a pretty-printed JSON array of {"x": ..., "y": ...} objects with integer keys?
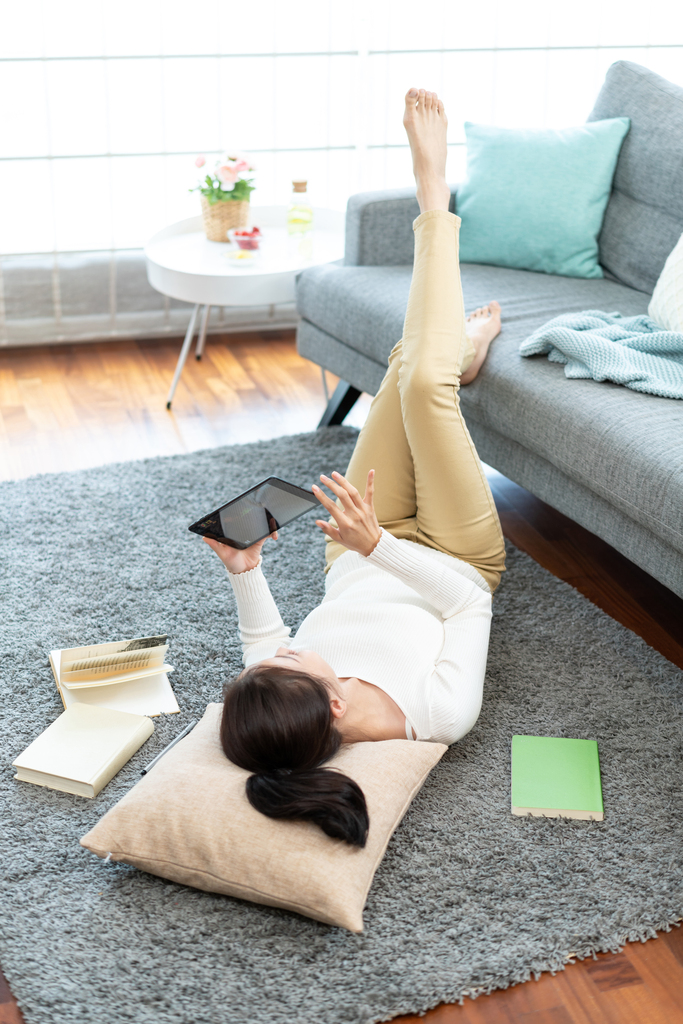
[
  {"x": 455, "y": 688},
  {"x": 261, "y": 627},
  {"x": 446, "y": 590}
]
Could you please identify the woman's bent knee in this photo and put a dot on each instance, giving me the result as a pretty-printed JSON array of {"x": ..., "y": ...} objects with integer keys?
[{"x": 423, "y": 384}]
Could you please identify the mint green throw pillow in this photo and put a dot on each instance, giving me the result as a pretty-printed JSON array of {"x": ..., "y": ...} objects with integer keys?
[{"x": 535, "y": 199}]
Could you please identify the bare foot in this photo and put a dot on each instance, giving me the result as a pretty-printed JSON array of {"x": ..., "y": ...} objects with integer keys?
[
  {"x": 482, "y": 327},
  {"x": 425, "y": 122}
]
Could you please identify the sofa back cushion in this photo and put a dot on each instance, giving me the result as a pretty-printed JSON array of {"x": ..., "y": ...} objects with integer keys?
[{"x": 644, "y": 216}]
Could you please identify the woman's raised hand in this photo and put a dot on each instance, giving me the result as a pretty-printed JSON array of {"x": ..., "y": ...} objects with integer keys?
[
  {"x": 236, "y": 560},
  {"x": 357, "y": 526}
]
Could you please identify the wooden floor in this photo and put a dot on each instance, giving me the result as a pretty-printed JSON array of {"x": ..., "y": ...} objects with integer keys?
[{"x": 74, "y": 406}]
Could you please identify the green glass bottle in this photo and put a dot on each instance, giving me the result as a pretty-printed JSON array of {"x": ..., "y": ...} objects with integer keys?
[{"x": 300, "y": 211}]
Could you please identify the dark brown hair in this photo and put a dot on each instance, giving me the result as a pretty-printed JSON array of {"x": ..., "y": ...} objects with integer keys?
[{"x": 277, "y": 723}]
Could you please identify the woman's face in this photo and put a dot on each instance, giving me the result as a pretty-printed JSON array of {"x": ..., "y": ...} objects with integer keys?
[{"x": 304, "y": 661}]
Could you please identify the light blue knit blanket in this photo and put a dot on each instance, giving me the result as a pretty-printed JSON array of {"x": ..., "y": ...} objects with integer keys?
[{"x": 633, "y": 350}]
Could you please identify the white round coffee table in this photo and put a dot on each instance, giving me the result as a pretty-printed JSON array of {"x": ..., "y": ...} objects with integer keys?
[{"x": 184, "y": 264}]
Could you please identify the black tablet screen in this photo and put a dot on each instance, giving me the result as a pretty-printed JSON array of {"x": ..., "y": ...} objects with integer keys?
[{"x": 257, "y": 513}]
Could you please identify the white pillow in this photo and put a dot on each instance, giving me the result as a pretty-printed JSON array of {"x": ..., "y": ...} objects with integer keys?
[{"x": 666, "y": 304}]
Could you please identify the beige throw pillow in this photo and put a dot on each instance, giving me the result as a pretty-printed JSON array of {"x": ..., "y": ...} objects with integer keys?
[
  {"x": 666, "y": 304},
  {"x": 189, "y": 820}
]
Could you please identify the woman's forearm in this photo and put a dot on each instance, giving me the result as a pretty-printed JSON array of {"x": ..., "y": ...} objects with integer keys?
[
  {"x": 446, "y": 590},
  {"x": 260, "y": 622}
]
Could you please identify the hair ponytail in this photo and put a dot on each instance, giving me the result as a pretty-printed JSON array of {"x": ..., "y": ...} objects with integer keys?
[
  {"x": 277, "y": 724},
  {"x": 330, "y": 799}
]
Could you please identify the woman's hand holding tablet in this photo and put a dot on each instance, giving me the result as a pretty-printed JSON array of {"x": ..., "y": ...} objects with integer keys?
[
  {"x": 237, "y": 530},
  {"x": 236, "y": 560}
]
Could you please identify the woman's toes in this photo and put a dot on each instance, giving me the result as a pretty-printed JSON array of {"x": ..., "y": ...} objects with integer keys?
[
  {"x": 411, "y": 100},
  {"x": 484, "y": 312},
  {"x": 421, "y": 99}
]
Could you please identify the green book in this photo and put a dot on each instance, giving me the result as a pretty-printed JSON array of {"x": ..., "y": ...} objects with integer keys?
[{"x": 556, "y": 778}]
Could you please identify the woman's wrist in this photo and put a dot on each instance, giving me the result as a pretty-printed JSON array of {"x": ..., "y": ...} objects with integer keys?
[
  {"x": 366, "y": 554},
  {"x": 249, "y": 568}
]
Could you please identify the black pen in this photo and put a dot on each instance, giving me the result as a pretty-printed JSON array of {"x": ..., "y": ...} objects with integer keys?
[{"x": 171, "y": 744}]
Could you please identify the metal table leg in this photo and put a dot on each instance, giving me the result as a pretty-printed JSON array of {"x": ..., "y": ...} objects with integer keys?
[
  {"x": 201, "y": 341},
  {"x": 189, "y": 334}
]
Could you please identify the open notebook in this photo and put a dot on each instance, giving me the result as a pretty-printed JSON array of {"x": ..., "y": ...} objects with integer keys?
[{"x": 127, "y": 675}]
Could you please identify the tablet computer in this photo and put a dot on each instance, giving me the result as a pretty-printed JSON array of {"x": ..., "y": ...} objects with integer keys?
[{"x": 268, "y": 506}]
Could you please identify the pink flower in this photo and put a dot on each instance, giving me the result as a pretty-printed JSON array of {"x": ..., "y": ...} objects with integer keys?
[
  {"x": 242, "y": 165},
  {"x": 227, "y": 173},
  {"x": 200, "y": 161}
]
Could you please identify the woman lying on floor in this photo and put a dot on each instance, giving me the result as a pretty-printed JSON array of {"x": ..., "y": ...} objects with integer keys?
[{"x": 398, "y": 647}]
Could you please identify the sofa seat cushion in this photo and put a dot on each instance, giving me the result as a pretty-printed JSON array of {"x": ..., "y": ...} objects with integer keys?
[
  {"x": 364, "y": 307},
  {"x": 624, "y": 446}
]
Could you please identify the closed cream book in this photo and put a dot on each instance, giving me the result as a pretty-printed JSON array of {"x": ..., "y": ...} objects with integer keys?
[{"x": 83, "y": 750}]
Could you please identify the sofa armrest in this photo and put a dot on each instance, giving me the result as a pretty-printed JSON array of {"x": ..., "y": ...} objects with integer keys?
[{"x": 379, "y": 227}]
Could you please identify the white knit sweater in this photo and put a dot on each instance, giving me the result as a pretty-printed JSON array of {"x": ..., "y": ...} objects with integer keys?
[{"x": 413, "y": 621}]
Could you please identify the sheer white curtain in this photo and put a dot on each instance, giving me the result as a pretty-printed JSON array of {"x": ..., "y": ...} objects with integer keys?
[{"x": 103, "y": 107}]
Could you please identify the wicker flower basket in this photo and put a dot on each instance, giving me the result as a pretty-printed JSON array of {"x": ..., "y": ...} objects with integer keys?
[{"x": 220, "y": 217}]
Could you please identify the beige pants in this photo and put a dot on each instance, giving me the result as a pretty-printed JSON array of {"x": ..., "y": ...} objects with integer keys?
[{"x": 429, "y": 483}]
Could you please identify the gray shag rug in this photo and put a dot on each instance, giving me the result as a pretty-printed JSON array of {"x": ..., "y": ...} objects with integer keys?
[{"x": 467, "y": 899}]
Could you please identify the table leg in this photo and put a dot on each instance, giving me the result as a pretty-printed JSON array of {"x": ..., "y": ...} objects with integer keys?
[
  {"x": 189, "y": 334},
  {"x": 201, "y": 341}
]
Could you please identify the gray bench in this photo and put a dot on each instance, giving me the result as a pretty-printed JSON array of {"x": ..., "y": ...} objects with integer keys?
[{"x": 608, "y": 457}]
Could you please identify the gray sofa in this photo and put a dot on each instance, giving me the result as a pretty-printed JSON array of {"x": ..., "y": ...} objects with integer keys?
[{"x": 608, "y": 457}]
